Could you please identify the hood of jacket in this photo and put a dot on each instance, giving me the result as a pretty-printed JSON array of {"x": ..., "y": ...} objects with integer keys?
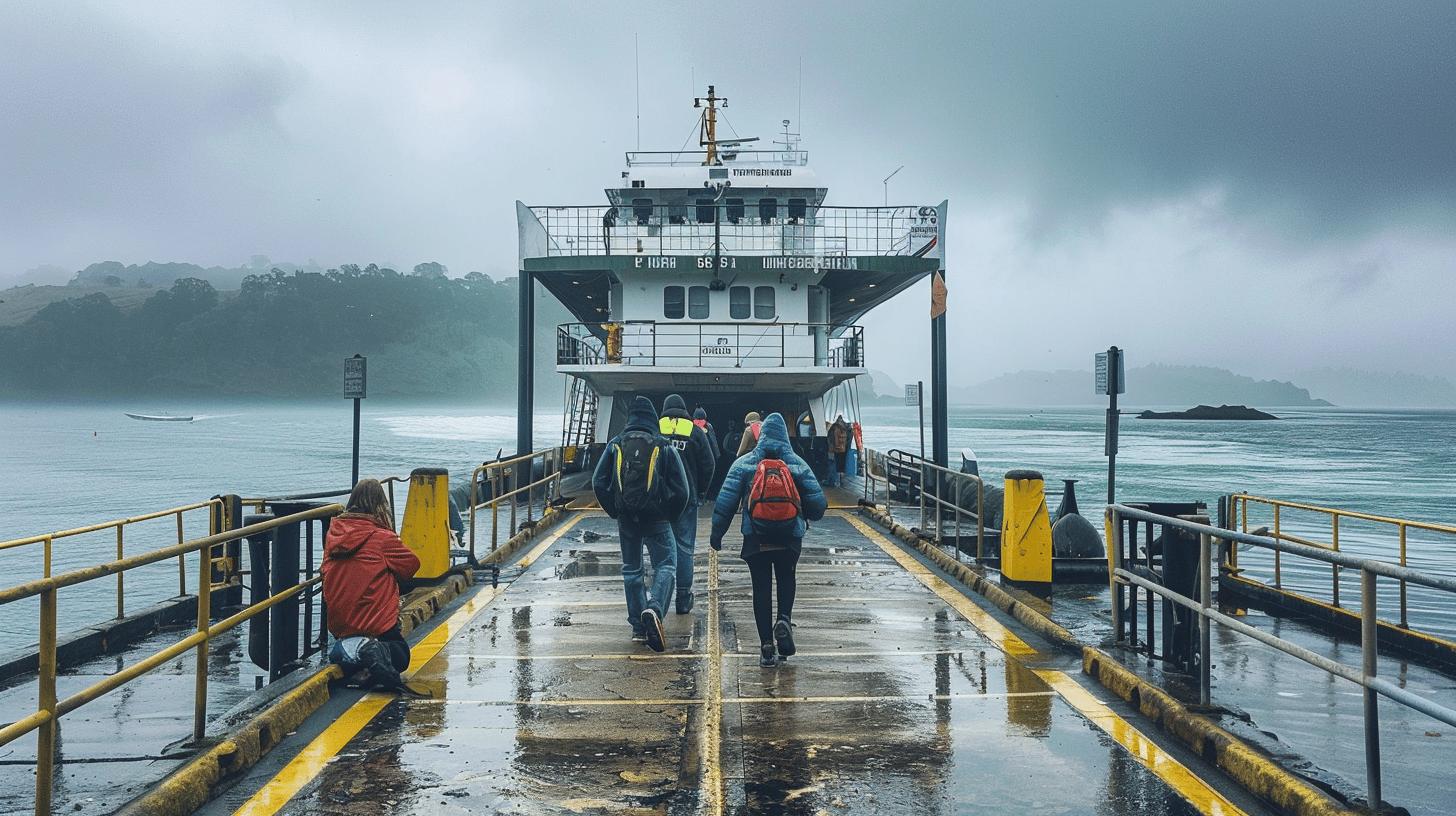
[
  {"x": 699, "y": 413},
  {"x": 641, "y": 416},
  {"x": 674, "y": 406},
  {"x": 773, "y": 436},
  {"x": 347, "y": 534}
]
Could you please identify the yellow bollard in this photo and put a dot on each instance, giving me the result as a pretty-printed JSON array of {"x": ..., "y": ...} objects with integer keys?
[
  {"x": 426, "y": 528},
  {"x": 1026, "y": 530}
]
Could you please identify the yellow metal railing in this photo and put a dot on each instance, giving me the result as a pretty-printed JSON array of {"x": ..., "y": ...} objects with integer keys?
[
  {"x": 261, "y": 504},
  {"x": 1305, "y": 517},
  {"x": 213, "y": 506},
  {"x": 504, "y": 478},
  {"x": 49, "y": 709}
]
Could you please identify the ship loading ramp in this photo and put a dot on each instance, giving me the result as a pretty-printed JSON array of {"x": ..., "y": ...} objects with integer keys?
[{"x": 906, "y": 696}]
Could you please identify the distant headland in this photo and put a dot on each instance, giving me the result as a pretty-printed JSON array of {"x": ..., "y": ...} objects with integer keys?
[{"x": 1236, "y": 412}]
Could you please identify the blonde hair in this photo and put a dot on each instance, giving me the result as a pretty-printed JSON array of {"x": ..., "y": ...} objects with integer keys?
[{"x": 369, "y": 499}]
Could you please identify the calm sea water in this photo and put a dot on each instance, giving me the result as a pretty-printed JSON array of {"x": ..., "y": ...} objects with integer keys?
[{"x": 63, "y": 466}]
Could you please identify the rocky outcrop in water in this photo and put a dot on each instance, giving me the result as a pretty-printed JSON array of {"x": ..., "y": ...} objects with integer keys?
[{"x": 1238, "y": 412}]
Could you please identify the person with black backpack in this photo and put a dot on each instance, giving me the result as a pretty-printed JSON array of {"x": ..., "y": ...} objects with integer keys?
[
  {"x": 700, "y": 461},
  {"x": 641, "y": 483},
  {"x": 779, "y": 495}
]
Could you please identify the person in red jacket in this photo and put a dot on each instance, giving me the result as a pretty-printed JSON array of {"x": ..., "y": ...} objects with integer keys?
[{"x": 364, "y": 561}]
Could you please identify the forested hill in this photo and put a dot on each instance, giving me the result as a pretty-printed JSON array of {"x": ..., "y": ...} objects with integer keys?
[{"x": 281, "y": 335}]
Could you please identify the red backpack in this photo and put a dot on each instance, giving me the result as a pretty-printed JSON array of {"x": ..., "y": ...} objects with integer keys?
[{"x": 773, "y": 499}]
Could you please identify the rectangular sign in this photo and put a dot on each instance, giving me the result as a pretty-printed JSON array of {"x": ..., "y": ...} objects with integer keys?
[
  {"x": 1101, "y": 366},
  {"x": 912, "y": 394},
  {"x": 354, "y": 377}
]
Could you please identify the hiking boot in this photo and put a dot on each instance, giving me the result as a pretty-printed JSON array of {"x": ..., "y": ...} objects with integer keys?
[
  {"x": 783, "y": 633},
  {"x": 685, "y": 604},
  {"x": 652, "y": 626},
  {"x": 766, "y": 657}
]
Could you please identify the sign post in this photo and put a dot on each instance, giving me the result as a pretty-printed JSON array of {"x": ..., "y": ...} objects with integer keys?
[
  {"x": 915, "y": 395},
  {"x": 1110, "y": 381},
  {"x": 355, "y": 388}
]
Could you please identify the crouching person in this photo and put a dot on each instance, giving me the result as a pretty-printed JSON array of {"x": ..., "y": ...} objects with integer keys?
[{"x": 364, "y": 561}]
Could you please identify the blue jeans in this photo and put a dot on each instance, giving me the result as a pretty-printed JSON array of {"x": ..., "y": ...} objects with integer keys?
[
  {"x": 662, "y": 550},
  {"x": 685, "y": 531}
]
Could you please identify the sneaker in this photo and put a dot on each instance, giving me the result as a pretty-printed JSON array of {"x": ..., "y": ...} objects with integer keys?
[
  {"x": 684, "y": 604},
  {"x": 766, "y": 657},
  {"x": 652, "y": 626},
  {"x": 783, "y": 633},
  {"x": 639, "y": 636}
]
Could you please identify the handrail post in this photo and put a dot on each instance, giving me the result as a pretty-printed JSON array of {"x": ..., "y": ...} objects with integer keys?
[
  {"x": 181, "y": 559},
  {"x": 980, "y": 521},
  {"x": 1368, "y": 666},
  {"x": 1205, "y": 624},
  {"x": 120, "y": 577},
  {"x": 1404, "y": 622},
  {"x": 1114, "y": 563},
  {"x": 473, "y": 497},
  {"x": 1335, "y": 568},
  {"x": 204, "y": 621},
  {"x": 956, "y": 502},
  {"x": 495, "y": 509},
  {"x": 45, "y": 751},
  {"x": 1278, "y": 584}
]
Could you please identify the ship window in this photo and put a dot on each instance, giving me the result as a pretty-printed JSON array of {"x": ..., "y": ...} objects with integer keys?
[
  {"x": 739, "y": 306},
  {"x": 735, "y": 210},
  {"x": 642, "y": 210},
  {"x": 763, "y": 303},
  {"x": 768, "y": 209},
  {"x": 698, "y": 302},
  {"x": 672, "y": 303},
  {"x": 638, "y": 183},
  {"x": 798, "y": 208},
  {"x": 705, "y": 211}
]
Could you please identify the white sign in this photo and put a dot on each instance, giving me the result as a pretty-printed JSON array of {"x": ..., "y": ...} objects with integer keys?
[
  {"x": 1101, "y": 368},
  {"x": 354, "y": 377},
  {"x": 912, "y": 394}
]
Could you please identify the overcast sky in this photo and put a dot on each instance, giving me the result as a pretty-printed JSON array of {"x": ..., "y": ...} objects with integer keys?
[{"x": 1267, "y": 187}]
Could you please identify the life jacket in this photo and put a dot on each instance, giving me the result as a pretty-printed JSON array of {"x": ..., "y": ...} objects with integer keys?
[
  {"x": 678, "y": 430},
  {"x": 773, "y": 498},
  {"x": 638, "y": 483}
]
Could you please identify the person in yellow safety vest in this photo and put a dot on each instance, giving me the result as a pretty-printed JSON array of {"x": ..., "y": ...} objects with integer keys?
[{"x": 699, "y": 460}]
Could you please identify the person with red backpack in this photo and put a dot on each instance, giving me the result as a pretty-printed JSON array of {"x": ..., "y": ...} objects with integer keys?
[
  {"x": 640, "y": 482},
  {"x": 778, "y": 494}
]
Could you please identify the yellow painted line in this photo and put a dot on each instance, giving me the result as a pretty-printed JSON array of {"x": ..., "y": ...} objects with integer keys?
[
  {"x": 686, "y": 701},
  {"x": 302, "y": 769},
  {"x": 710, "y": 739},
  {"x": 1003, "y": 638},
  {"x": 1174, "y": 773}
]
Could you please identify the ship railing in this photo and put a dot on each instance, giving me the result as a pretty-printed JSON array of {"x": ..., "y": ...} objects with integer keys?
[
  {"x": 261, "y": 504},
  {"x": 1324, "y": 528},
  {"x": 748, "y": 227},
  {"x": 514, "y": 483},
  {"x": 1369, "y": 570},
  {"x": 692, "y": 344},
  {"x": 126, "y": 531},
  {"x": 49, "y": 709},
  {"x": 944, "y": 497},
  {"x": 729, "y": 156}
]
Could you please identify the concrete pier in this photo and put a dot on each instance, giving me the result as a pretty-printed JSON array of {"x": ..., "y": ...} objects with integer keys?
[{"x": 905, "y": 697}]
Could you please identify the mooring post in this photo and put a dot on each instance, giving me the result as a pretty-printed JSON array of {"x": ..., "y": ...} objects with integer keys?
[{"x": 525, "y": 363}]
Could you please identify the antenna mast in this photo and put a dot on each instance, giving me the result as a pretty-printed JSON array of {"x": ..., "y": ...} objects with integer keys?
[{"x": 708, "y": 133}]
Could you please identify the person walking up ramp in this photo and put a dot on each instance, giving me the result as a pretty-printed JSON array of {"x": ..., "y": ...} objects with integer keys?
[
  {"x": 641, "y": 483},
  {"x": 699, "y": 461},
  {"x": 779, "y": 496}
]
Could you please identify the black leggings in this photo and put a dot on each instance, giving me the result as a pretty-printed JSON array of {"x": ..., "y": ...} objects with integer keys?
[{"x": 764, "y": 567}]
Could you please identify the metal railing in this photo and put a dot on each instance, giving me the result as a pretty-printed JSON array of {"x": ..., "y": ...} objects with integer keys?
[
  {"x": 693, "y": 344},
  {"x": 729, "y": 155},
  {"x": 946, "y": 494},
  {"x": 49, "y": 709},
  {"x": 262, "y": 503},
  {"x": 504, "y": 482},
  {"x": 1365, "y": 676},
  {"x": 1329, "y": 518},
  {"x": 733, "y": 226},
  {"x": 212, "y": 506}
]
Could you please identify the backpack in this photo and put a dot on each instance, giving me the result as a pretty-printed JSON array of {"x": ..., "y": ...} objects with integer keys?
[
  {"x": 638, "y": 483},
  {"x": 773, "y": 498}
]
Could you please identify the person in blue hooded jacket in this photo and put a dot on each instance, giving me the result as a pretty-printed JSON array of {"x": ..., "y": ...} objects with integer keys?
[
  {"x": 651, "y": 528},
  {"x": 772, "y": 557}
]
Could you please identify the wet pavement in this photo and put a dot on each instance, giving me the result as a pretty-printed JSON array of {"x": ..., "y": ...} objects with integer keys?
[{"x": 905, "y": 697}]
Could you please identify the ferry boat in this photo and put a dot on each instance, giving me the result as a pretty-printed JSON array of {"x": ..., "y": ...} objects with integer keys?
[{"x": 719, "y": 274}]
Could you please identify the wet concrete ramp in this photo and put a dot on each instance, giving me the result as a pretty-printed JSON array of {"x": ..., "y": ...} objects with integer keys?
[{"x": 905, "y": 697}]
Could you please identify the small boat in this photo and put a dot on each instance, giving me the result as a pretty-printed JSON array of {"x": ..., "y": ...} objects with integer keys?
[{"x": 159, "y": 417}]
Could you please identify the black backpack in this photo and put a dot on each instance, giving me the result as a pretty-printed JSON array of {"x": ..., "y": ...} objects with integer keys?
[{"x": 638, "y": 477}]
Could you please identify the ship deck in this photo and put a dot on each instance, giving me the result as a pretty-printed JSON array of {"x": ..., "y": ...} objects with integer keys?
[{"x": 906, "y": 696}]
